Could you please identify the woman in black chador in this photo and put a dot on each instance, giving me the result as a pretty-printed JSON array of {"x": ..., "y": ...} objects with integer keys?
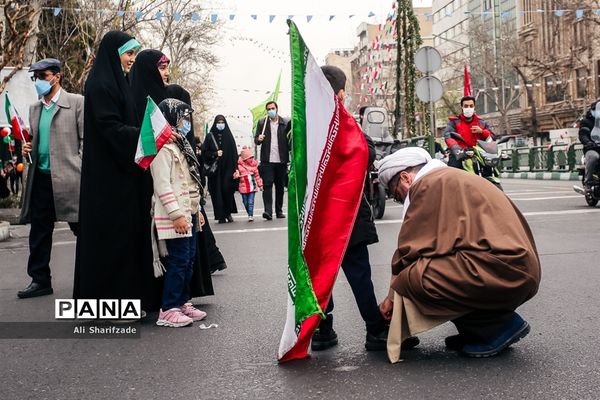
[
  {"x": 207, "y": 243},
  {"x": 114, "y": 248},
  {"x": 219, "y": 145},
  {"x": 146, "y": 79}
]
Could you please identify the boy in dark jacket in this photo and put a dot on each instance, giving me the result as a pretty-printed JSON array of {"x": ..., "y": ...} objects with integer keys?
[{"x": 356, "y": 265}]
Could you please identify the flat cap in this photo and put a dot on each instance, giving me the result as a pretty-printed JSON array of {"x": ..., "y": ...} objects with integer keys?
[{"x": 46, "y": 63}]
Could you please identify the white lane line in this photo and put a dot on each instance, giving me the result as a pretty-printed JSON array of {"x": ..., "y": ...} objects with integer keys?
[
  {"x": 547, "y": 198},
  {"x": 537, "y": 192},
  {"x": 562, "y": 212},
  {"x": 283, "y": 228},
  {"x": 399, "y": 221}
]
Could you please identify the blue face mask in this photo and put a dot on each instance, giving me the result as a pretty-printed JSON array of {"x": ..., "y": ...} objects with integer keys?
[
  {"x": 272, "y": 113},
  {"x": 220, "y": 126},
  {"x": 185, "y": 128},
  {"x": 42, "y": 87}
]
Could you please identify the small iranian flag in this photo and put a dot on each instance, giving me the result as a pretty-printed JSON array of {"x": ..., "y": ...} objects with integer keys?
[
  {"x": 18, "y": 126},
  {"x": 154, "y": 134},
  {"x": 328, "y": 168}
]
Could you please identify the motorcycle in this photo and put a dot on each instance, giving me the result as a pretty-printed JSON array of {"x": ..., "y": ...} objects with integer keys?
[
  {"x": 592, "y": 196},
  {"x": 484, "y": 158}
]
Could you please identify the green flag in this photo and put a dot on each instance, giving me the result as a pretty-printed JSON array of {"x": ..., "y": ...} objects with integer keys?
[{"x": 259, "y": 111}]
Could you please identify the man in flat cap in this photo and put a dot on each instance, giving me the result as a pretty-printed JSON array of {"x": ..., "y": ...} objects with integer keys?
[
  {"x": 465, "y": 254},
  {"x": 52, "y": 189}
]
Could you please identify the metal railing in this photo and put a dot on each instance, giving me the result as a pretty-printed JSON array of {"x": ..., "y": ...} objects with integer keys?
[{"x": 557, "y": 158}]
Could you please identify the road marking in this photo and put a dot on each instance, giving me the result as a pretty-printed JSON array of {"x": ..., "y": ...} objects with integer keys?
[
  {"x": 562, "y": 212},
  {"x": 282, "y": 228},
  {"x": 510, "y": 194},
  {"x": 547, "y": 198}
]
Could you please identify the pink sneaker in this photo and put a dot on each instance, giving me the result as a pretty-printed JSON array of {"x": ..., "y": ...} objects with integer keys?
[
  {"x": 192, "y": 312},
  {"x": 173, "y": 318}
]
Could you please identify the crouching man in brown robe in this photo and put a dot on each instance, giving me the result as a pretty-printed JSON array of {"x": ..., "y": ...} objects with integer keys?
[{"x": 465, "y": 254}]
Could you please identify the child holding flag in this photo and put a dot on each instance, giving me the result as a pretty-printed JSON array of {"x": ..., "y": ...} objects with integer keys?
[
  {"x": 250, "y": 182},
  {"x": 175, "y": 171}
]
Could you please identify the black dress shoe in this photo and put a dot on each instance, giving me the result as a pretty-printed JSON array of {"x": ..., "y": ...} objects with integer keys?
[
  {"x": 379, "y": 342},
  {"x": 267, "y": 216},
  {"x": 280, "y": 215},
  {"x": 222, "y": 221},
  {"x": 229, "y": 218},
  {"x": 323, "y": 339},
  {"x": 34, "y": 290}
]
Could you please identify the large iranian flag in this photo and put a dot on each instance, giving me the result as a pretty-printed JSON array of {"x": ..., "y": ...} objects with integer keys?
[
  {"x": 17, "y": 123},
  {"x": 154, "y": 134},
  {"x": 328, "y": 167}
]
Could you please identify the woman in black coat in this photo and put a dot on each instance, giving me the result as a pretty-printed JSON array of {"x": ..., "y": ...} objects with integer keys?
[
  {"x": 114, "y": 249},
  {"x": 219, "y": 145}
]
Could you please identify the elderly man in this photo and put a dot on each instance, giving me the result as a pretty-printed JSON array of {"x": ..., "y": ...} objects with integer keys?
[
  {"x": 465, "y": 253},
  {"x": 52, "y": 190}
]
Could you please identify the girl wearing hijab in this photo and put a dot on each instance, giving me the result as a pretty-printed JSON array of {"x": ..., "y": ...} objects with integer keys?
[
  {"x": 148, "y": 78},
  {"x": 114, "y": 249},
  {"x": 177, "y": 188},
  {"x": 207, "y": 244},
  {"x": 219, "y": 145}
]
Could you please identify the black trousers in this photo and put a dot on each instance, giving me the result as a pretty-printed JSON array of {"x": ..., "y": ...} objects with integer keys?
[
  {"x": 43, "y": 216},
  {"x": 482, "y": 325},
  {"x": 273, "y": 174},
  {"x": 357, "y": 269}
]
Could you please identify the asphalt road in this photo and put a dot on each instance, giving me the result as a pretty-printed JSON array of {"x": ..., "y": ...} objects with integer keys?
[{"x": 237, "y": 359}]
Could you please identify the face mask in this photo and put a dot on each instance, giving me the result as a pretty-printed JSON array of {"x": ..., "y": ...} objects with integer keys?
[
  {"x": 185, "y": 128},
  {"x": 42, "y": 87},
  {"x": 220, "y": 126},
  {"x": 468, "y": 112},
  {"x": 272, "y": 113}
]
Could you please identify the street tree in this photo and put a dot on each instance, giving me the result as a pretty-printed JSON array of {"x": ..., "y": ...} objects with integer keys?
[{"x": 17, "y": 27}]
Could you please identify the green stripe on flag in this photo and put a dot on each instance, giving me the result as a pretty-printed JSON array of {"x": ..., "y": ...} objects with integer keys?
[
  {"x": 299, "y": 282},
  {"x": 147, "y": 132},
  {"x": 7, "y": 108}
]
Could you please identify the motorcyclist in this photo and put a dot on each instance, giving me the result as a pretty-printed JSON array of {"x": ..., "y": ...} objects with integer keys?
[
  {"x": 469, "y": 126},
  {"x": 589, "y": 123}
]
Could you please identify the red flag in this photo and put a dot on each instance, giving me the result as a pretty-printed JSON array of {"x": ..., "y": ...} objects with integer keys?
[{"x": 467, "y": 89}]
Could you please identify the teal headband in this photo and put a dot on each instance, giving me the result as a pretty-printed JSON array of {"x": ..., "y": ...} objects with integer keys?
[{"x": 131, "y": 44}]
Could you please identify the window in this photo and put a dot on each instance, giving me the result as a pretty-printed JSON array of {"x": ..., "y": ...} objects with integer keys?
[
  {"x": 581, "y": 76},
  {"x": 554, "y": 88},
  {"x": 527, "y": 8}
]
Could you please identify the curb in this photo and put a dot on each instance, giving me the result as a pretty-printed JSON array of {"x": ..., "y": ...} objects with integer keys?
[
  {"x": 4, "y": 231},
  {"x": 554, "y": 176}
]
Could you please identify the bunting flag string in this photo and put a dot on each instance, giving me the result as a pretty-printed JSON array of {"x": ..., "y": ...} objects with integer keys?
[
  {"x": 208, "y": 14},
  {"x": 225, "y": 14}
]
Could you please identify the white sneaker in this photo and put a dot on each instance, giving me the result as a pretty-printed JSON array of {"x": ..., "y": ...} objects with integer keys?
[{"x": 250, "y": 218}]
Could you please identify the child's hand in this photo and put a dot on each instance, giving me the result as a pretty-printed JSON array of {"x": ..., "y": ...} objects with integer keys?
[
  {"x": 219, "y": 153},
  {"x": 201, "y": 219},
  {"x": 181, "y": 225},
  {"x": 236, "y": 174}
]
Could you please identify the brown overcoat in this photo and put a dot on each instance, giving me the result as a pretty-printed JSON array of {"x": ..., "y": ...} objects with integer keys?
[{"x": 463, "y": 246}]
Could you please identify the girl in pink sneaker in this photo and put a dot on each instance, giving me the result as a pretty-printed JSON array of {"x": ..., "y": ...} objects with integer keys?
[
  {"x": 250, "y": 182},
  {"x": 175, "y": 172}
]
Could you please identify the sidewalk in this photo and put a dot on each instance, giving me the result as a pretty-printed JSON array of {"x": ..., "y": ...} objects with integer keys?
[{"x": 555, "y": 176}]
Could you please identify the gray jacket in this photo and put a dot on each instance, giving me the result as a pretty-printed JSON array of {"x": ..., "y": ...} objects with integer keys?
[{"x": 66, "y": 149}]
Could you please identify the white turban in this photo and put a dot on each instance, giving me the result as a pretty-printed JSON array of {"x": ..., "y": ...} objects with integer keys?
[{"x": 399, "y": 161}]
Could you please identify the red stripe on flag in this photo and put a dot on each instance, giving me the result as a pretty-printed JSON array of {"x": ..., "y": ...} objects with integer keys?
[{"x": 335, "y": 208}]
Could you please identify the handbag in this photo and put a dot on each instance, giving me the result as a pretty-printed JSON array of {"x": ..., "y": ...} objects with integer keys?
[{"x": 210, "y": 169}]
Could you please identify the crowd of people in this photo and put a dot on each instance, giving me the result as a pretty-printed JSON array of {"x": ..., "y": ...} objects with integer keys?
[{"x": 465, "y": 253}]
